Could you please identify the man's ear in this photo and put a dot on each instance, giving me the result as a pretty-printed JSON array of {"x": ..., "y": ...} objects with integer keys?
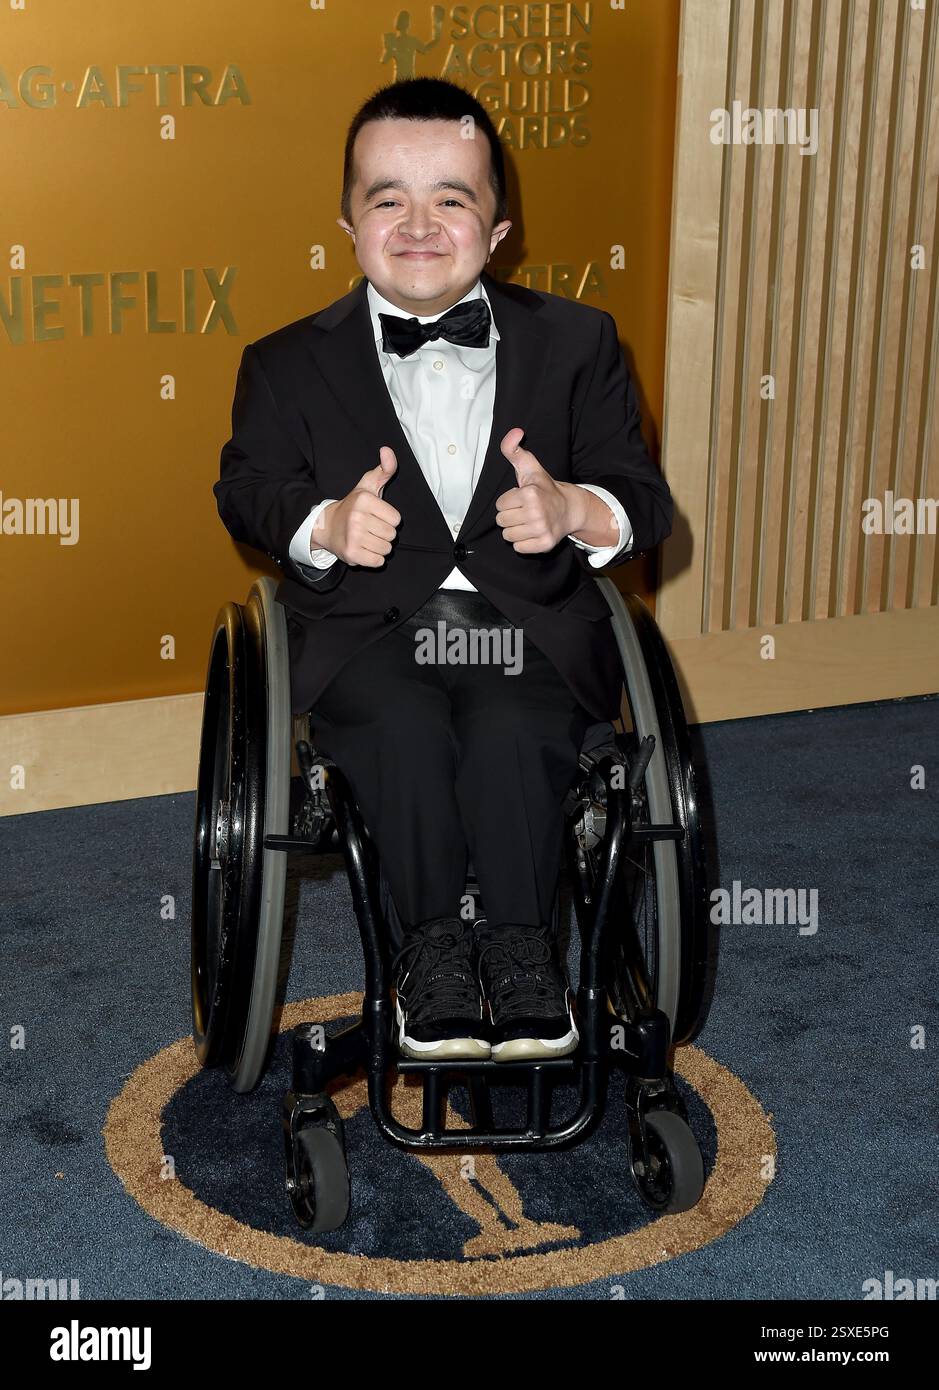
[
  {"x": 498, "y": 232},
  {"x": 346, "y": 227}
]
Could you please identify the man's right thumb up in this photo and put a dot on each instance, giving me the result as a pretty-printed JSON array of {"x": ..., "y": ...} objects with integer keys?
[{"x": 376, "y": 478}]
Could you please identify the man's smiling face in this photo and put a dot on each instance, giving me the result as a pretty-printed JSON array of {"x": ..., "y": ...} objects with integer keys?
[{"x": 422, "y": 211}]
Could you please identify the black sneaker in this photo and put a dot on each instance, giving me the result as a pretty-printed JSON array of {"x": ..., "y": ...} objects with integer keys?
[
  {"x": 439, "y": 1010},
  {"x": 527, "y": 994}
]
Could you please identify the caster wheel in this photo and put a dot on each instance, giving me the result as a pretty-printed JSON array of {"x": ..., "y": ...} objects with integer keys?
[
  {"x": 318, "y": 1186},
  {"x": 673, "y": 1178}
]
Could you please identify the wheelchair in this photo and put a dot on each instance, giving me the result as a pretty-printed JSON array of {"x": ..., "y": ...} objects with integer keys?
[{"x": 635, "y": 863}]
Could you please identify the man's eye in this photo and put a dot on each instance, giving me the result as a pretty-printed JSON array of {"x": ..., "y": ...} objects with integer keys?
[{"x": 391, "y": 202}]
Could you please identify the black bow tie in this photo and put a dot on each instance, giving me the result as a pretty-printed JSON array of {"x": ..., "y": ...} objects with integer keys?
[{"x": 466, "y": 324}]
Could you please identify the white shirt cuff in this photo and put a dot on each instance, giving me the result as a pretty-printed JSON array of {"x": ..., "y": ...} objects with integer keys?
[
  {"x": 299, "y": 549},
  {"x": 601, "y": 555}
]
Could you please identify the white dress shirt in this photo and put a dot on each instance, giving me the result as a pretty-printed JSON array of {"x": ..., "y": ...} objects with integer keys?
[{"x": 444, "y": 395}]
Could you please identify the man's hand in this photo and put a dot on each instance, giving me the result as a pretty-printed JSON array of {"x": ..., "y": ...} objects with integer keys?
[
  {"x": 540, "y": 512},
  {"x": 360, "y": 528}
]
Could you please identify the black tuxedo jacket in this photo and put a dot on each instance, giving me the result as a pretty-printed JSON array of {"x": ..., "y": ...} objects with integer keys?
[{"x": 311, "y": 410}]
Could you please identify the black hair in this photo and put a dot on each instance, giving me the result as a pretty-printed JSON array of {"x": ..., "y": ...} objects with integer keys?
[{"x": 426, "y": 99}]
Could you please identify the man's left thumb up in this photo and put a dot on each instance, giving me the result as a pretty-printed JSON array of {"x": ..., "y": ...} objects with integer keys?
[{"x": 526, "y": 466}]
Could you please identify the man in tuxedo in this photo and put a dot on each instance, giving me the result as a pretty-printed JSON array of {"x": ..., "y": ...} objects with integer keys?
[{"x": 439, "y": 454}]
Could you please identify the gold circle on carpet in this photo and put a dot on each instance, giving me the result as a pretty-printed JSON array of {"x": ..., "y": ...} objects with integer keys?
[{"x": 736, "y": 1185}]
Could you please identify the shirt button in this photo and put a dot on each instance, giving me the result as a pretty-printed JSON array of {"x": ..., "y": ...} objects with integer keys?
[
  {"x": 451, "y": 448},
  {"x": 391, "y": 615},
  {"x": 438, "y": 366}
]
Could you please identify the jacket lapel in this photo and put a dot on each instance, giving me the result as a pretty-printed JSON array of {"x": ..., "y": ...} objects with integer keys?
[
  {"x": 343, "y": 347},
  {"x": 521, "y": 358}
]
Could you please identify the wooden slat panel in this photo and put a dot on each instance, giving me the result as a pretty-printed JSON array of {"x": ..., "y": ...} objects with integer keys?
[
  {"x": 788, "y": 318},
  {"x": 696, "y": 229},
  {"x": 877, "y": 386},
  {"x": 807, "y": 404},
  {"x": 900, "y": 470},
  {"x": 855, "y": 308},
  {"x": 756, "y": 293},
  {"x": 813, "y": 286},
  {"x": 924, "y": 583},
  {"x": 840, "y": 465},
  {"x": 736, "y": 222},
  {"x": 928, "y": 545}
]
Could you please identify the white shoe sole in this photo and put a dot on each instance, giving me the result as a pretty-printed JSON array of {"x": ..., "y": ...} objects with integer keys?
[
  {"x": 470, "y": 1049},
  {"x": 525, "y": 1049}
]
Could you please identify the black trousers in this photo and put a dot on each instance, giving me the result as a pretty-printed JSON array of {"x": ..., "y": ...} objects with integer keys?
[{"x": 459, "y": 740}]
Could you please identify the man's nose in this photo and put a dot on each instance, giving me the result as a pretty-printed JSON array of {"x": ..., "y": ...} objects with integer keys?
[{"x": 419, "y": 224}]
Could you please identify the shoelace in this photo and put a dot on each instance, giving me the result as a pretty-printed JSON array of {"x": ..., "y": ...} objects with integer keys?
[
  {"x": 449, "y": 991},
  {"x": 520, "y": 967}
]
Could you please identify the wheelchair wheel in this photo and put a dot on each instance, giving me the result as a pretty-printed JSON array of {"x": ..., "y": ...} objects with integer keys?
[
  {"x": 665, "y": 879},
  {"x": 318, "y": 1176},
  {"x": 671, "y": 1179},
  {"x": 242, "y": 796}
]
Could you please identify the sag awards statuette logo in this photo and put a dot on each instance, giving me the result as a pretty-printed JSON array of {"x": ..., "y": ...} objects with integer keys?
[
  {"x": 504, "y": 1247},
  {"x": 524, "y": 63}
]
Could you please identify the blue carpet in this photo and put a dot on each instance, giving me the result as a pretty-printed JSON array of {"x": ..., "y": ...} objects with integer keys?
[{"x": 817, "y": 1026}]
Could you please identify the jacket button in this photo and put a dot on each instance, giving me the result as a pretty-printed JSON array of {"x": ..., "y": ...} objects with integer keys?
[
  {"x": 459, "y": 551},
  {"x": 392, "y": 615}
]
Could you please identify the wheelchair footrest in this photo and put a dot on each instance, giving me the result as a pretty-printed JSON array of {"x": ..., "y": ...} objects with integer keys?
[
  {"x": 486, "y": 1067},
  {"x": 535, "y": 1077}
]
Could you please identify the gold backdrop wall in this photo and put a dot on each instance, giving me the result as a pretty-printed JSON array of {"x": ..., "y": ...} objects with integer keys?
[{"x": 171, "y": 180}]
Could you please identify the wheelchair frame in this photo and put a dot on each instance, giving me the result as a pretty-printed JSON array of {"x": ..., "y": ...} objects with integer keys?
[{"x": 636, "y": 1000}]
